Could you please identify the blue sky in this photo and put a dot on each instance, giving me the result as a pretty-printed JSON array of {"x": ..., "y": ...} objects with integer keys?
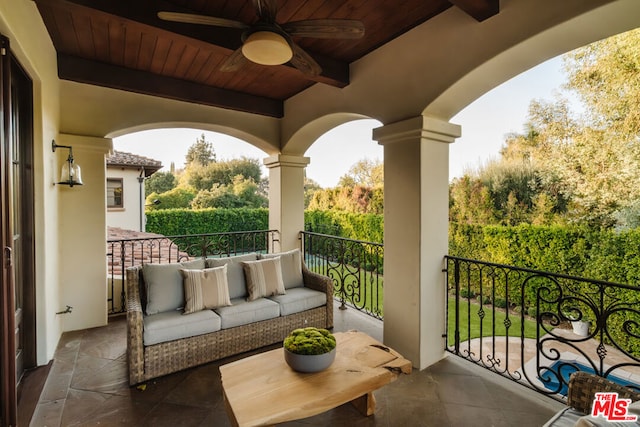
[{"x": 484, "y": 126}]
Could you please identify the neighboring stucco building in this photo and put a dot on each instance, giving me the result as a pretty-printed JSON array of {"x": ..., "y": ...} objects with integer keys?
[{"x": 126, "y": 174}]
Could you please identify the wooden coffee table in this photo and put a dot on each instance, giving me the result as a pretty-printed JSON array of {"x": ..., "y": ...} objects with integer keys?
[{"x": 263, "y": 390}]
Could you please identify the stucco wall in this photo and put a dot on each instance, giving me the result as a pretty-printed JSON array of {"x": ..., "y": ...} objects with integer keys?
[
  {"x": 127, "y": 217},
  {"x": 83, "y": 235},
  {"x": 30, "y": 43}
]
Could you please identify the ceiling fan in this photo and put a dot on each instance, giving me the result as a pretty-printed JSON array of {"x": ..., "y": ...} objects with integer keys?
[{"x": 268, "y": 43}]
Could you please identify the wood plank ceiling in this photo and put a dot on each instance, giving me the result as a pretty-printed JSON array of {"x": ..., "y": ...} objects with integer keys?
[{"x": 122, "y": 44}]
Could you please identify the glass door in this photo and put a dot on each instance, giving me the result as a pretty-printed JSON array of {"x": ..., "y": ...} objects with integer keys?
[{"x": 17, "y": 299}]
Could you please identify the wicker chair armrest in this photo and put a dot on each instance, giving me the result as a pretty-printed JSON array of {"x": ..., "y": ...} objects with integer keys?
[
  {"x": 135, "y": 328},
  {"x": 320, "y": 283},
  {"x": 583, "y": 387}
]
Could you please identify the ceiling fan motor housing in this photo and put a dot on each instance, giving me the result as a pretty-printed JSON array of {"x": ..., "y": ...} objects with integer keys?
[{"x": 266, "y": 45}]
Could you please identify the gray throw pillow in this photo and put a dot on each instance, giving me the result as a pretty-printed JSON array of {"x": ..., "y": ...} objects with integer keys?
[
  {"x": 164, "y": 285},
  {"x": 235, "y": 273},
  {"x": 291, "y": 262}
]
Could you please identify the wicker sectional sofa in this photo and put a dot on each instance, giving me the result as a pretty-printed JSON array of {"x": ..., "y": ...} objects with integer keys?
[{"x": 161, "y": 339}]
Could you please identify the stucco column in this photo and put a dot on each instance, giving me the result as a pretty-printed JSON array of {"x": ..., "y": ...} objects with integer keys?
[
  {"x": 416, "y": 203},
  {"x": 286, "y": 198},
  {"x": 83, "y": 233}
]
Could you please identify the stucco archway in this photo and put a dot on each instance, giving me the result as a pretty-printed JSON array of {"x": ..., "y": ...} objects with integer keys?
[
  {"x": 415, "y": 150},
  {"x": 240, "y": 134},
  {"x": 307, "y": 135}
]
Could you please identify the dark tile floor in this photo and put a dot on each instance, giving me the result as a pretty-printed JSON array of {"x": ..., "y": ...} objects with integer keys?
[{"x": 87, "y": 386}]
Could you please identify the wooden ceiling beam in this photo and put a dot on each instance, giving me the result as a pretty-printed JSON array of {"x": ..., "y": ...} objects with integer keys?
[
  {"x": 100, "y": 74},
  {"x": 334, "y": 72},
  {"x": 478, "y": 9}
]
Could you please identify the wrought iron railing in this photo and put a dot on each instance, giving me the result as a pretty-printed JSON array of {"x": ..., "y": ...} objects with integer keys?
[
  {"x": 355, "y": 266},
  {"x": 518, "y": 323},
  {"x": 125, "y": 253}
]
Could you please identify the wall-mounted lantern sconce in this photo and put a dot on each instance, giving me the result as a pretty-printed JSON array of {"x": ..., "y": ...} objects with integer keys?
[{"x": 70, "y": 173}]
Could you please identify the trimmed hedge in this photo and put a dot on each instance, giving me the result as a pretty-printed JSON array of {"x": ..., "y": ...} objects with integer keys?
[
  {"x": 368, "y": 227},
  {"x": 176, "y": 222},
  {"x": 577, "y": 251},
  {"x": 595, "y": 254},
  {"x": 173, "y": 222}
]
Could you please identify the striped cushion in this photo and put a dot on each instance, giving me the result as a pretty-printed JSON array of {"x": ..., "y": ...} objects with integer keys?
[
  {"x": 291, "y": 263},
  {"x": 164, "y": 287},
  {"x": 264, "y": 278},
  {"x": 205, "y": 289}
]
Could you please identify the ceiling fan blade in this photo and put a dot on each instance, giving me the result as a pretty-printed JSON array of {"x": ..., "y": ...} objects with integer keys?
[
  {"x": 304, "y": 62},
  {"x": 326, "y": 28},
  {"x": 190, "y": 18},
  {"x": 234, "y": 62},
  {"x": 266, "y": 9}
]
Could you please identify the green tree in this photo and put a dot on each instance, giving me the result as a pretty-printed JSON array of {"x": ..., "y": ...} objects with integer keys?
[
  {"x": 606, "y": 76},
  {"x": 248, "y": 191},
  {"x": 543, "y": 210},
  {"x": 160, "y": 182},
  {"x": 365, "y": 172},
  {"x": 584, "y": 167},
  {"x": 201, "y": 152},
  {"x": 310, "y": 188},
  {"x": 356, "y": 199},
  {"x": 179, "y": 197},
  {"x": 470, "y": 202},
  {"x": 604, "y": 161},
  {"x": 204, "y": 177},
  {"x": 241, "y": 193},
  {"x": 219, "y": 196}
]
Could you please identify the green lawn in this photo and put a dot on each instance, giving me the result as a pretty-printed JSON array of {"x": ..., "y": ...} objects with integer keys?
[
  {"x": 472, "y": 330},
  {"x": 351, "y": 278},
  {"x": 467, "y": 331}
]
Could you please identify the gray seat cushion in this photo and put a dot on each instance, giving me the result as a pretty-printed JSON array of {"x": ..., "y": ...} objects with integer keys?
[
  {"x": 242, "y": 312},
  {"x": 299, "y": 299},
  {"x": 164, "y": 285},
  {"x": 567, "y": 417},
  {"x": 173, "y": 325},
  {"x": 235, "y": 273}
]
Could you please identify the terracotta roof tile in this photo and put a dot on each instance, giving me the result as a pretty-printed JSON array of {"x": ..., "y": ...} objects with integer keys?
[
  {"x": 155, "y": 250},
  {"x": 121, "y": 158}
]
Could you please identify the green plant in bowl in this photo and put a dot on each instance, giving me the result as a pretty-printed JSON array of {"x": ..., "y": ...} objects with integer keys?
[
  {"x": 310, "y": 349},
  {"x": 310, "y": 341}
]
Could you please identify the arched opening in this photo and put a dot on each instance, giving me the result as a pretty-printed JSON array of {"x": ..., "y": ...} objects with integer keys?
[
  {"x": 157, "y": 161},
  {"x": 337, "y": 150}
]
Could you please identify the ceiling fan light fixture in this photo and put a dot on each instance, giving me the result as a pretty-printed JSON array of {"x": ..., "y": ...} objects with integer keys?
[{"x": 267, "y": 48}]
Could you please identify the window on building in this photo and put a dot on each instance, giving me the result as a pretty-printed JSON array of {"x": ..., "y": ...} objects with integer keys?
[{"x": 114, "y": 193}]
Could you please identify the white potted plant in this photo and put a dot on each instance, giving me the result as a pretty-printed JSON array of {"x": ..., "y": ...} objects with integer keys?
[{"x": 581, "y": 327}]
